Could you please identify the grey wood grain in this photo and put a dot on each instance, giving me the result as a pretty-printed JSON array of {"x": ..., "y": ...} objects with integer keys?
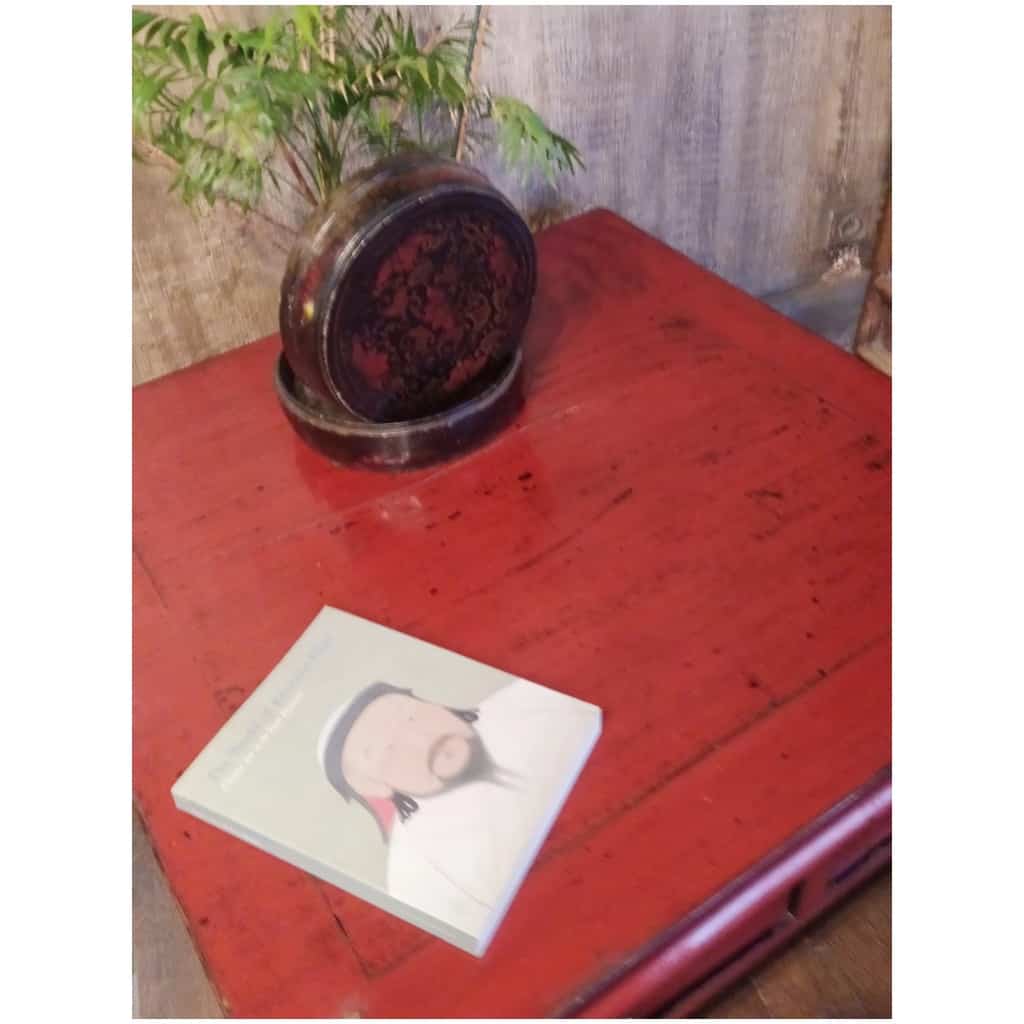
[
  {"x": 203, "y": 282},
  {"x": 841, "y": 967},
  {"x": 829, "y": 306},
  {"x": 743, "y": 136},
  {"x": 168, "y": 979}
]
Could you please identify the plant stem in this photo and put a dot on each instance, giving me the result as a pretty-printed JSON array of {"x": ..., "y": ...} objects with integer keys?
[
  {"x": 289, "y": 155},
  {"x": 290, "y": 232},
  {"x": 432, "y": 40},
  {"x": 284, "y": 180},
  {"x": 343, "y": 139},
  {"x": 155, "y": 154},
  {"x": 460, "y": 134},
  {"x": 320, "y": 146}
]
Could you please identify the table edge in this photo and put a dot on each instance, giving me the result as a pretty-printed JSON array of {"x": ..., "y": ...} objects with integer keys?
[{"x": 726, "y": 936}]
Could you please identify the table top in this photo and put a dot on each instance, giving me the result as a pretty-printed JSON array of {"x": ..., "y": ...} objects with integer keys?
[{"x": 688, "y": 524}]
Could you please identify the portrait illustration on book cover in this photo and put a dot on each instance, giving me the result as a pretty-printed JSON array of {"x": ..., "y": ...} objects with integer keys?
[{"x": 455, "y": 792}]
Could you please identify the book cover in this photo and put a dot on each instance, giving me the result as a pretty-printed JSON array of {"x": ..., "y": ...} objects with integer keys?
[{"x": 410, "y": 776}]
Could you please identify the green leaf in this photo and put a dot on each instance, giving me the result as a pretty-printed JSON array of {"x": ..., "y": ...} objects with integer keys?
[
  {"x": 179, "y": 50},
  {"x": 524, "y": 139},
  {"x": 140, "y": 19},
  {"x": 187, "y": 108},
  {"x": 146, "y": 89},
  {"x": 273, "y": 84},
  {"x": 203, "y": 50},
  {"x": 168, "y": 31},
  {"x": 307, "y": 22},
  {"x": 337, "y": 104},
  {"x": 154, "y": 27},
  {"x": 250, "y": 41},
  {"x": 198, "y": 42},
  {"x": 271, "y": 33}
]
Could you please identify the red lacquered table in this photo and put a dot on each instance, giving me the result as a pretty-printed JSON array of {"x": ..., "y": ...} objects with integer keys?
[{"x": 688, "y": 524}]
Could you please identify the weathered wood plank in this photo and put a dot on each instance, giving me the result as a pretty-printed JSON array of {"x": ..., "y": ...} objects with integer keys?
[
  {"x": 840, "y": 968},
  {"x": 743, "y": 136},
  {"x": 167, "y": 974},
  {"x": 874, "y": 332},
  {"x": 203, "y": 282}
]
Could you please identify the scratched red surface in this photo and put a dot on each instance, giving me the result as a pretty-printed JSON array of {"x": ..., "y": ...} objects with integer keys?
[{"x": 689, "y": 525}]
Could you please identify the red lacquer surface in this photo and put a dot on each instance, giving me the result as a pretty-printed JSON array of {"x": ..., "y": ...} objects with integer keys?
[{"x": 688, "y": 525}]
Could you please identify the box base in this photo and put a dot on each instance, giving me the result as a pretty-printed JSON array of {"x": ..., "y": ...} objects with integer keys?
[{"x": 347, "y": 440}]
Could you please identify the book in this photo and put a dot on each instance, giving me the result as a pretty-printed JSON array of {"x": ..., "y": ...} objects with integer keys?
[{"x": 411, "y": 777}]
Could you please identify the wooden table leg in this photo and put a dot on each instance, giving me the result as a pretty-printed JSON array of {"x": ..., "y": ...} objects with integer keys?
[
  {"x": 839, "y": 968},
  {"x": 168, "y": 979}
]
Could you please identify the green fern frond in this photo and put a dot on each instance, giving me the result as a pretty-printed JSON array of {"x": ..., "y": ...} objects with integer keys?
[
  {"x": 307, "y": 90},
  {"x": 526, "y": 141}
]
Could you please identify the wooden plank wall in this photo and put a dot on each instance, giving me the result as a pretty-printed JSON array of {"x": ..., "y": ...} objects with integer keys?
[
  {"x": 754, "y": 139},
  {"x": 874, "y": 332}
]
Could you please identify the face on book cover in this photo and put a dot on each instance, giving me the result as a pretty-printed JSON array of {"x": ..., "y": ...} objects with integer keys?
[{"x": 400, "y": 744}]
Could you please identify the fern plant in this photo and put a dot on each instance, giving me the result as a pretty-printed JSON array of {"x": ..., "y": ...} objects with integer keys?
[{"x": 298, "y": 101}]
